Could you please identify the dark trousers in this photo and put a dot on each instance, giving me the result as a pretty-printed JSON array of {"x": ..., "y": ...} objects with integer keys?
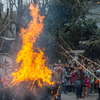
[
  {"x": 64, "y": 87},
  {"x": 69, "y": 88},
  {"x": 1, "y": 94},
  {"x": 79, "y": 92},
  {"x": 99, "y": 92},
  {"x": 60, "y": 90},
  {"x": 73, "y": 87}
]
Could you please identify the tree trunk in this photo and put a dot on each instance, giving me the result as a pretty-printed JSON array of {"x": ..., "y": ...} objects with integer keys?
[{"x": 19, "y": 24}]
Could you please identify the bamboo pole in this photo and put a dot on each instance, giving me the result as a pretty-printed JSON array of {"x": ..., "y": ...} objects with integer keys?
[
  {"x": 70, "y": 48},
  {"x": 6, "y": 26},
  {"x": 62, "y": 54},
  {"x": 76, "y": 60},
  {"x": 56, "y": 42},
  {"x": 78, "y": 53},
  {"x": 80, "y": 63}
]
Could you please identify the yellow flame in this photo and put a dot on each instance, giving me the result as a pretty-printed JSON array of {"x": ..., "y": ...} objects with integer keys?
[{"x": 33, "y": 65}]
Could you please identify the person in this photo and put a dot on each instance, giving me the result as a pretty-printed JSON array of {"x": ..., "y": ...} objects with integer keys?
[
  {"x": 64, "y": 79},
  {"x": 78, "y": 65},
  {"x": 92, "y": 82},
  {"x": 98, "y": 75},
  {"x": 98, "y": 61},
  {"x": 1, "y": 71},
  {"x": 1, "y": 84},
  {"x": 5, "y": 80},
  {"x": 5, "y": 68},
  {"x": 49, "y": 67},
  {"x": 85, "y": 86},
  {"x": 1, "y": 90},
  {"x": 68, "y": 80},
  {"x": 74, "y": 63},
  {"x": 84, "y": 64},
  {"x": 6, "y": 92},
  {"x": 73, "y": 79},
  {"x": 66, "y": 65},
  {"x": 72, "y": 67},
  {"x": 56, "y": 75},
  {"x": 52, "y": 67},
  {"x": 89, "y": 87},
  {"x": 86, "y": 61},
  {"x": 70, "y": 62},
  {"x": 79, "y": 79},
  {"x": 89, "y": 75}
]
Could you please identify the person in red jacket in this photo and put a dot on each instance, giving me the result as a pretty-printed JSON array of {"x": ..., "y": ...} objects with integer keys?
[
  {"x": 85, "y": 86},
  {"x": 73, "y": 79},
  {"x": 5, "y": 80}
]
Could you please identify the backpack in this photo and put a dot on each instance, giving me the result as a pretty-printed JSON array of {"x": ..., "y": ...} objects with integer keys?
[
  {"x": 78, "y": 84},
  {"x": 96, "y": 82}
]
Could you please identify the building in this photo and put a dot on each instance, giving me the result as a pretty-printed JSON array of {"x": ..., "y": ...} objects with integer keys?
[
  {"x": 74, "y": 54},
  {"x": 6, "y": 57},
  {"x": 8, "y": 36}
]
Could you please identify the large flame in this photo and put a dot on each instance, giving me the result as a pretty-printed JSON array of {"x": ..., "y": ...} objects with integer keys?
[{"x": 32, "y": 63}]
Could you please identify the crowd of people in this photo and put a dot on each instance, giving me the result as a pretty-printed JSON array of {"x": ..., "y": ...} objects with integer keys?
[
  {"x": 5, "y": 79},
  {"x": 5, "y": 71},
  {"x": 72, "y": 77}
]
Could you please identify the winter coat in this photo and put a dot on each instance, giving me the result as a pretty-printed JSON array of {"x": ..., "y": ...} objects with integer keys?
[
  {"x": 86, "y": 82},
  {"x": 51, "y": 79},
  {"x": 89, "y": 75},
  {"x": 98, "y": 75},
  {"x": 68, "y": 78},
  {"x": 5, "y": 80},
  {"x": 57, "y": 75},
  {"x": 64, "y": 75},
  {"x": 73, "y": 77},
  {"x": 78, "y": 75}
]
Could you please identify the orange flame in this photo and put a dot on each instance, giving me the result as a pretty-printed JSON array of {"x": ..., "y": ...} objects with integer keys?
[
  {"x": 33, "y": 65},
  {"x": 57, "y": 91}
]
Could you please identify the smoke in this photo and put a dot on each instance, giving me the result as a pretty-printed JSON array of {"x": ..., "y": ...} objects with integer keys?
[
  {"x": 22, "y": 92},
  {"x": 40, "y": 93},
  {"x": 45, "y": 41}
]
